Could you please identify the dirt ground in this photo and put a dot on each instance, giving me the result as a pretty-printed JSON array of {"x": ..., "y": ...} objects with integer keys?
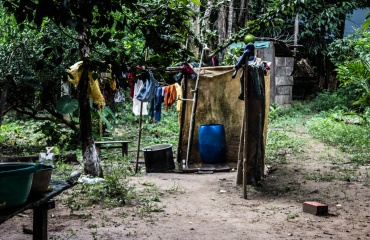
[{"x": 210, "y": 206}]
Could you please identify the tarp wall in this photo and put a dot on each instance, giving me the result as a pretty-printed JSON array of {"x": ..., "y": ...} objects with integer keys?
[{"x": 217, "y": 103}]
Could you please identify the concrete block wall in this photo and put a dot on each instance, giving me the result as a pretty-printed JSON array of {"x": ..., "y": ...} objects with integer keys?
[{"x": 283, "y": 80}]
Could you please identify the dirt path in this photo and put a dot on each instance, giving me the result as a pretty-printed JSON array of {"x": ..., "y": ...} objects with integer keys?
[{"x": 210, "y": 206}]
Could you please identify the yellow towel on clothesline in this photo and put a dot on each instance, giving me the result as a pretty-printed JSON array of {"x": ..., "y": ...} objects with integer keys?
[{"x": 93, "y": 91}]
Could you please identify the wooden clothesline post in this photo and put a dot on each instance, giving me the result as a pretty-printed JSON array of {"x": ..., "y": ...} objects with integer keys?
[
  {"x": 243, "y": 150},
  {"x": 140, "y": 123},
  {"x": 245, "y": 131}
]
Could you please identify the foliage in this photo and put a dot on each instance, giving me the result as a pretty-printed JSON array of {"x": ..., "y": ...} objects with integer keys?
[
  {"x": 352, "y": 58},
  {"x": 28, "y": 137},
  {"x": 54, "y": 134},
  {"x": 320, "y": 22},
  {"x": 326, "y": 101},
  {"x": 159, "y": 25},
  {"x": 37, "y": 79},
  {"x": 66, "y": 105},
  {"x": 296, "y": 110},
  {"x": 19, "y": 137}
]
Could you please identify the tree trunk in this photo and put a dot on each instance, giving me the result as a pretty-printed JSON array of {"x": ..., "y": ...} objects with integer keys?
[
  {"x": 230, "y": 17},
  {"x": 221, "y": 25},
  {"x": 89, "y": 153},
  {"x": 196, "y": 28},
  {"x": 242, "y": 11},
  {"x": 207, "y": 14},
  {"x": 246, "y": 19},
  {"x": 4, "y": 94},
  {"x": 296, "y": 31}
]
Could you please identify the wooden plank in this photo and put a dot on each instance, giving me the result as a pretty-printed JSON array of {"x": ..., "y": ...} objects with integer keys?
[{"x": 112, "y": 144}]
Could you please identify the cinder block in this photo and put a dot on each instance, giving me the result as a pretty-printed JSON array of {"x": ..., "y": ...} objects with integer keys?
[{"x": 315, "y": 208}]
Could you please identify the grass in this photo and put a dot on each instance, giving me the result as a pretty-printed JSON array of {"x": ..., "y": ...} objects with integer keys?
[
  {"x": 350, "y": 138},
  {"x": 291, "y": 216},
  {"x": 334, "y": 127}
]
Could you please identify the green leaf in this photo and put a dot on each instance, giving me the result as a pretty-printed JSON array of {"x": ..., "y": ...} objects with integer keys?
[
  {"x": 105, "y": 120},
  {"x": 66, "y": 105},
  {"x": 366, "y": 24},
  {"x": 197, "y": 2}
]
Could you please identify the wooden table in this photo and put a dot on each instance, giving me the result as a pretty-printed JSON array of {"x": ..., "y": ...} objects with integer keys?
[
  {"x": 112, "y": 144},
  {"x": 40, "y": 205}
]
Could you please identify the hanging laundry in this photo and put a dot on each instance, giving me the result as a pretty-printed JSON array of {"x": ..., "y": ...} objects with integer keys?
[
  {"x": 213, "y": 61},
  {"x": 94, "y": 88},
  {"x": 156, "y": 105},
  {"x": 170, "y": 96},
  {"x": 119, "y": 96},
  {"x": 147, "y": 91},
  {"x": 136, "y": 103},
  {"x": 189, "y": 71},
  {"x": 113, "y": 85},
  {"x": 131, "y": 82}
]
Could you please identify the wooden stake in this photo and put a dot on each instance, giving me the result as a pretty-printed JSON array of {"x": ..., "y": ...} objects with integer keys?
[
  {"x": 245, "y": 142},
  {"x": 140, "y": 122},
  {"x": 239, "y": 176},
  {"x": 139, "y": 140}
]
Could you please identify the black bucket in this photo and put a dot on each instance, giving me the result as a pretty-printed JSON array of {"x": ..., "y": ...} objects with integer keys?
[{"x": 158, "y": 158}]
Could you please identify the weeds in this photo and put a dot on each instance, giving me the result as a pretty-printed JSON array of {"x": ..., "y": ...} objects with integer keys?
[
  {"x": 175, "y": 188},
  {"x": 320, "y": 177},
  {"x": 352, "y": 139},
  {"x": 291, "y": 216},
  {"x": 279, "y": 144}
]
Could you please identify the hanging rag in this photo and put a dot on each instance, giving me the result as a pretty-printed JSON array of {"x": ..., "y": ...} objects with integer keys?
[
  {"x": 136, "y": 103},
  {"x": 156, "y": 105},
  {"x": 113, "y": 85},
  {"x": 119, "y": 96},
  {"x": 213, "y": 61},
  {"x": 131, "y": 82},
  {"x": 170, "y": 96},
  {"x": 147, "y": 91},
  {"x": 189, "y": 71},
  {"x": 93, "y": 91}
]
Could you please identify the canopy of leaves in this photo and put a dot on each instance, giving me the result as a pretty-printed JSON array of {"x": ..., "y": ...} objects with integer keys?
[{"x": 161, "y": 25}]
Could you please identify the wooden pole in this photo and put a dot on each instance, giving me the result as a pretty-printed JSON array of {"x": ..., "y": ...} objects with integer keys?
[
  {"x": 182, "y": 120},
  {"x": 140, "y": 122},
  {"x": 193, "y": 109},
  {"x": 239, "y": 176},
  {"x": 245, "y": 128},
  {"x": 139, "y": 139}
]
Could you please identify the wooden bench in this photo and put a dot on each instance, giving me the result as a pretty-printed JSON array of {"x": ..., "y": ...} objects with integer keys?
[{"x": 112, "y": 144}]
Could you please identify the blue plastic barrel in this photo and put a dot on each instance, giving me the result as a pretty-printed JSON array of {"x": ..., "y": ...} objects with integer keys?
[{"x": 212, "y": 144}]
